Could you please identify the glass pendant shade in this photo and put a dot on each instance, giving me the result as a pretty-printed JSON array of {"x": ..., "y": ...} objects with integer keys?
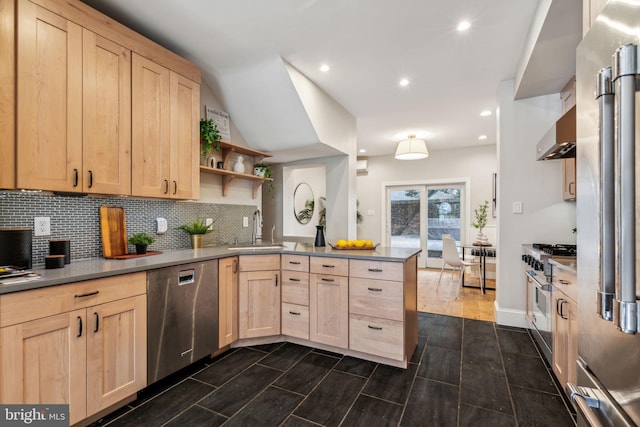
[{"x": 412, "y": 149}]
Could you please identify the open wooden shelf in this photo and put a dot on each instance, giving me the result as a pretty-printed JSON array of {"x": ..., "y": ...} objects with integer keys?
[{"x": 228, "y": 175}]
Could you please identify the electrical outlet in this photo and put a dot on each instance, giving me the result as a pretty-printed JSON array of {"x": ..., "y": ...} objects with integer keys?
[
  {"x": 208, "y": 221},
  {"x": 42, "y": 225},
  {"x": 245, "y": 221}
]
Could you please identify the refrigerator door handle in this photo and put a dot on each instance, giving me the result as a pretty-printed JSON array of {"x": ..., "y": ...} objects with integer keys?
[
  {"x": 584, "y": 402},
  {"x": 606, "y": 287},
  {"x": 625, "y": 68}
]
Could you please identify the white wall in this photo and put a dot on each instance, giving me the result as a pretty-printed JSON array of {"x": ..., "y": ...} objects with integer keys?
[
  {"x": 240, "y": 191},
  {"x": 546, "y": 218},
  {"x": 475, "y": 164}
]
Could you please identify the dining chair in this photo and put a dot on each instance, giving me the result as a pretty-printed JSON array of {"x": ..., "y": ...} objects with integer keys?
[{"x": 451, "y": 258}]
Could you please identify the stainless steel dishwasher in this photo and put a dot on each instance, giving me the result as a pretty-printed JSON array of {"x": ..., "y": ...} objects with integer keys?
[{"x": 182, "y": 316}]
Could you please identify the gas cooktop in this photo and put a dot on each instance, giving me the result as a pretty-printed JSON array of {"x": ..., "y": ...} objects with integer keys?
[{"x": 557, "y": 249}]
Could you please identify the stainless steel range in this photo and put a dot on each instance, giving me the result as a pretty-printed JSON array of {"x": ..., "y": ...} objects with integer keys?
[{"x": 538, "y": 274}]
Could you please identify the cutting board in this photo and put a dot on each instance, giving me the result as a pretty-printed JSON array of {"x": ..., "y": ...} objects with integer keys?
[{"x": 113, "y": 225}]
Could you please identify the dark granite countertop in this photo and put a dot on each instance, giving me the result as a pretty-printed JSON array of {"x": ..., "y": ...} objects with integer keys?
[{"x": 99, "y": 267}]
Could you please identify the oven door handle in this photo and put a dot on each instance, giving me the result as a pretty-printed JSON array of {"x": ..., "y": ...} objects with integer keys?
[{"x": 547, "y": 287}]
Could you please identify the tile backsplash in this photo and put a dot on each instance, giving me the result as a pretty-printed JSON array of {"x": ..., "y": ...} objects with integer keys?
[{"x": 78, "y": 219}]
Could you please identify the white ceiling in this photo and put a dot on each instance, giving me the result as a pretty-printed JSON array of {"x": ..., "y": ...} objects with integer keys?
[{"x": 370, "y": 45}]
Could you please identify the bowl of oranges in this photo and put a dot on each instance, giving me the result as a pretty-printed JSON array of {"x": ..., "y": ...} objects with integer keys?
[{"x": 354, "y": 244}]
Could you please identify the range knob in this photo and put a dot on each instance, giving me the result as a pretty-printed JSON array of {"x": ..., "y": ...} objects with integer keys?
[{"x": 539, "y": 266}]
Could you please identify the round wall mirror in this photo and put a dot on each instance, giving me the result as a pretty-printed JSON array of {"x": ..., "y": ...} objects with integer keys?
[{"x": 303, "y": 203}]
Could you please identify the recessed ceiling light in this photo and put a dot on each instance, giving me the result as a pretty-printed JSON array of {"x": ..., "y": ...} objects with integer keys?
[
  {"x": 324, "y": 68},
  {"x": 485, "y": 113},
  {"x": 362, "y": 150},
  {"x": 463, "y": 26},
  {"x": 404, "y": 82},
  {"x": 482, "y": 137}
]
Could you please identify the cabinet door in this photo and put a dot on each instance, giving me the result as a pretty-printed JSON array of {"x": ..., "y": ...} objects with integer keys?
[
  {"x": 569, "y": 185},
  {"x": 116, "y": 351},
  {"x": 49, "y": 111},
  {"x": 560, "y": 337},
  {"x": 44, "y": 362},
  {"x": 106, "y": 119},
  {"x": 572, "y": 341},
  {"x": 185, "y": 138},
  {"x": 259, "y": 304},
  {"x": 151, "y": 129},
  {"x": 228, "y": 300},
  {"x": 329, "y": 309}
]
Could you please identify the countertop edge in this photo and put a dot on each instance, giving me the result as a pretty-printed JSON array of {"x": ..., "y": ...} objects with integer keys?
[{"x": 96, "y": 268}]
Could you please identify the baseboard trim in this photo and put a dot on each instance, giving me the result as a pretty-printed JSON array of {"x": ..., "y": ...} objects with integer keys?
[{"x": 510, "y": 317}]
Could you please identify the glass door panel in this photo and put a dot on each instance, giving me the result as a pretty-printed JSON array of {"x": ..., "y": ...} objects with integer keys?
[
  {"x": 404, "y": 207},
  {"x": 443, "y": 217}
]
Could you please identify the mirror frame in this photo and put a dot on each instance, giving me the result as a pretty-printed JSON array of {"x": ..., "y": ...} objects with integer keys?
[{"x": 303, "y": 213}]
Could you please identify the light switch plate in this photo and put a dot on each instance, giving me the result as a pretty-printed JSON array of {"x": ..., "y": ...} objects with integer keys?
[{"x": 517, "y": 207}]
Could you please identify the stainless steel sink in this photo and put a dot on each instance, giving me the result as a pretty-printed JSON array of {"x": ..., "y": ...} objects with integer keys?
[{"x": 254, "y": 246}]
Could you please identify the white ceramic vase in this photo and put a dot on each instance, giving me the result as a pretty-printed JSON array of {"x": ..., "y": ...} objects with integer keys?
[{"x": 239, "y": 165}]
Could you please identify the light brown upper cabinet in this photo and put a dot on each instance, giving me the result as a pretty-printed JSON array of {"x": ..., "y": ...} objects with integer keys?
[
  {"x": 165, "y": 145},
  {"x": 49, "y": 104},
  {"x": 74, "y": 107}
]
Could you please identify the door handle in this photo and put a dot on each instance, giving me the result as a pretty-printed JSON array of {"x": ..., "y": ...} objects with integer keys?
[
  {"x": 97, "y": 322},
  {"x": 79, "y": 327},
  {"x": 75, "y": 177},
  {"x": 166, "y": 186},
  {"x": 175, "y": 187},
  {"x": 90, "y": 179},
  {"x": 276, "y": 280},
  {"x": 571, "y": 190}
]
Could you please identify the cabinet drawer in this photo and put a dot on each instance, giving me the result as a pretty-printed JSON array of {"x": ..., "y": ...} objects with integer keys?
[
  {"x": 566, "y": 282},
  {"x": 295, "y": 320},
  {"x": 381, "y": 270},
  {"x": 324, "y": 265},
  {"x": 377, "y": 336},
  {"x": 24, "y": 306},
  {"x": 295, "y": 263},
  {"x": 295, "y": 287},
  {"x": 259, "y": 262},
  {"x": 379, "y": 298}
]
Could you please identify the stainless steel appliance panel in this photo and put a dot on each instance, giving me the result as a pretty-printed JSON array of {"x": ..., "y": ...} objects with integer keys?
[
  {"x": 182, "y": 316},
  {"x": 612, "y": 356}
]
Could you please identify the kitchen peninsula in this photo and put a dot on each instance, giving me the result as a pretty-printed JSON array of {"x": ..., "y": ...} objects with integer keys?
[{"x": 361, "y": 303}]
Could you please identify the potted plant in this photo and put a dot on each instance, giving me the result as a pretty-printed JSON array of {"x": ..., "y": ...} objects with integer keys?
[
  {"x": 141, "y": 241},
  {"x": 209, "y": 137},
  {"x": 262, "y": 170},
  {"x": 196, "y": 229},
  {"x": 481, "y": 221}
]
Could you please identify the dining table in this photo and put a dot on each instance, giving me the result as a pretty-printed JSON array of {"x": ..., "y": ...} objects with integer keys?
[{"x": 483, "y": 252}]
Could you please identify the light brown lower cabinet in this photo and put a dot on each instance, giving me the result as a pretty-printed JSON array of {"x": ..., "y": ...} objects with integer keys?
[
  {"x": 565, "y": 338},
  {"x": 259, "y": 296},
  {"x": 228, "y": 301},
  {"x": 90, "y": 356},
  {"x": 329, "y": 309}
]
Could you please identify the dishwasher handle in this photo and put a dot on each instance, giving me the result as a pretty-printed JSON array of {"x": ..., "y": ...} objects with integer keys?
[{"x": 186, "y": 277}]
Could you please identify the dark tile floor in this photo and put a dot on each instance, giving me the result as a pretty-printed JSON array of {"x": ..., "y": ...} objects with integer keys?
[{"x": 463, "y": 373}]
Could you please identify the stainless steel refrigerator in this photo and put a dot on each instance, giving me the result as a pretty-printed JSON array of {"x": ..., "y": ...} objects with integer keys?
[{"x": 608, "y": 146}]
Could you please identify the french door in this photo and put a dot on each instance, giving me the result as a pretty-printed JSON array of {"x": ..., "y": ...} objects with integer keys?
[{"x": 419, "y": 215}]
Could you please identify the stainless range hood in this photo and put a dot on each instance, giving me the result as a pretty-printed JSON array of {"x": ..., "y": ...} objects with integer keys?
[{"x": 560, "y": 141}]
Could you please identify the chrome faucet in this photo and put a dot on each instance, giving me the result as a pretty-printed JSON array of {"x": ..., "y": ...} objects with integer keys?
[{"x": 257, "y": 223}]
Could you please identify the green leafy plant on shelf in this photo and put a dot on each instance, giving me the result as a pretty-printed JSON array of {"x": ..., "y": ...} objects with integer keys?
[
  {"x": 262, "y": 169},
  {"x": 196, "y": 227},
  {"x": 209, "y": 137}
]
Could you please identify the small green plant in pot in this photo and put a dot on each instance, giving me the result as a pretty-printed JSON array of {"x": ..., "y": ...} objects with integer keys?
[
  {"x": 141, "y": 241},
  {"x": 209, "y": 137},
  {"x": 481, "y": 222},
  {"x": 197, "y": 229},
  {"x": 262, "y": 170}
]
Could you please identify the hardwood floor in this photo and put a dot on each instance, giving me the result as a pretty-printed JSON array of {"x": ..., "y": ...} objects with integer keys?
[{"x": 469, "y": 303}]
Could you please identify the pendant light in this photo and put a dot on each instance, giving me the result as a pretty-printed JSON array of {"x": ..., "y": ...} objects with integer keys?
[{"x": 412, "y": 149}]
